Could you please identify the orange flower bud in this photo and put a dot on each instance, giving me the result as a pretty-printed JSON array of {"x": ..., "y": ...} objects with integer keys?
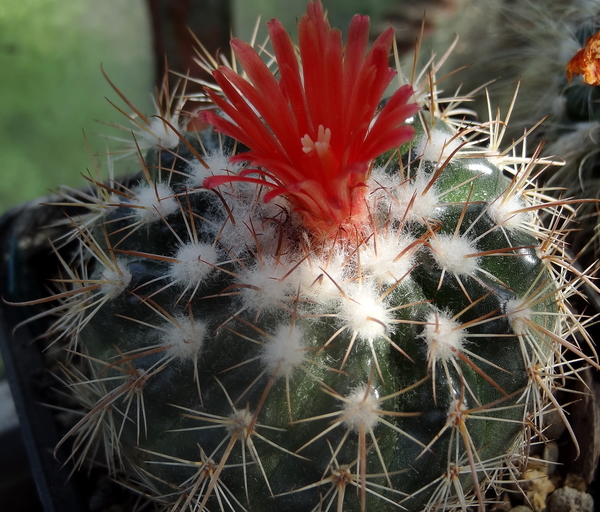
[{"x": 586, "y": 62}]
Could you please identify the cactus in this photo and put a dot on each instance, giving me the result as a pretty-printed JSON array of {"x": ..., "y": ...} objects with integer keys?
[
  {"x": 575, "y": 120},
  {"x": 324, "y": 301}
]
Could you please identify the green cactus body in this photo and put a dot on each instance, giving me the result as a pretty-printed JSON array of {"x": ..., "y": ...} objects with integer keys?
[
  {"x": 238, "y": 354},
  {"x": 285, "y": 365}
]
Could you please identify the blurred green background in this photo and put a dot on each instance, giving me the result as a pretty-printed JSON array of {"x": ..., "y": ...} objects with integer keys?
[{"x": 51, "y": 86}]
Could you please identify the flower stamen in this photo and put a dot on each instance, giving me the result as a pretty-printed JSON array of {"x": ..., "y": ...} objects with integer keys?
[{"x": 322, "y": 143}]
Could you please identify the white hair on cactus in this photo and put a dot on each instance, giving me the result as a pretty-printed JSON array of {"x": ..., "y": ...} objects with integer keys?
[
  {"x": 381, "y": 179},
  {"x": 320, "y": 279},
  {"x": 195, "y": 261},
  {"x": 516, "y": 311},
  {"x": 264, "y": 287},
  {"x": 284, "y": 351},
  {"x": 235, "y": 234},
  {"x": 360, "y": 409},
  {"x": 115, "y": 280},
  {"x": 364, "y": 313},
  {"x": 454, "y": 253},
  {"x": 504, "y": 211},
  {"x": 413, "y": 203},
  {"x": 217, "y": 162},
  {"x": 160, "y": 133},
  {"x": 437, "y": 146},
  {"x": 184, "y": 338},
  {"x": 240, "y": 422},
  {"x": 456, "y": 412},
  {"x": 443, "y": 335},
  {"x": 264, "y": 229},
  {"x": 154, "y": 201},
  {"x": 387, "y": 257},
  {"x": 250, "y": 223},
  {"x": 380, "y": 184},
  {"x": 114, "y": 201}
]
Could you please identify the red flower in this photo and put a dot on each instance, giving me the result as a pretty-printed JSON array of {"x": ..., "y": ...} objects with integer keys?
[{"x": 314, "y": 133}]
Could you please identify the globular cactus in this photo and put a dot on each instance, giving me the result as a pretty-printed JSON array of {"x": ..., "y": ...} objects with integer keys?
[{"x": 327, "y": 302}]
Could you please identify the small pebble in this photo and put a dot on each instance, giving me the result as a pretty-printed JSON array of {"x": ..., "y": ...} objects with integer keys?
[
  {"x": 537, "y": 486},
  {"x": 567, "y": 499},
  {"x": 576, "y": 482}
]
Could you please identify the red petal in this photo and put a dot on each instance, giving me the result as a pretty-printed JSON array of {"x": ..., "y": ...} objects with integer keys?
[
  {"x": 290, "y": 81},
  {"x": 266, "y": 97},
  {"x": 356, "y": 47},
  {"x": 256, "y": 135}
]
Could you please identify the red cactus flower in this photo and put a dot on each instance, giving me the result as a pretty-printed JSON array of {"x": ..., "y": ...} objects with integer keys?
[{"x": 314, "y": 133}]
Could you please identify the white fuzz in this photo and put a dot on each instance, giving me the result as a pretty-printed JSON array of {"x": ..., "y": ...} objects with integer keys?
[
  {"x": 114, "y": 200},
  {"x": 264, "y": 230},
  {"x": 154, "y": 201},
  {"x": 252, "y": 226},
  {"x": 115, "y": 283},
  {"x": 456, "y": 411},
  {"x": 452, "y": 254},
  {"x": 516, "y": 311},
  {"x": 443, "y": 336},
  {"x": 385, "y": 260},
  {"x": 543, "y": 252},
  {"x": 364, "y": 314},
  {"x": 185, "y": 340},
  {"x": 161, "y": 133},
  {"x": 263, "y": 288},
  {"x": 381, "y": 179},
  {"x": 238, "y": 237},
  {"x": 438, "y": 146},
  {"x": 360, "y": 409},
  {"x": 195, "y": 263},
  {"x": 284, "y": 351},
  {"x": 319, "y": 279},
  {"x": 505, "y": 212},
  {"x": 413, "y": 204},
  {"x": 240, "y": 421},
  {"x": 218, "y": 163},
  {"x": 380, "y": 197}
]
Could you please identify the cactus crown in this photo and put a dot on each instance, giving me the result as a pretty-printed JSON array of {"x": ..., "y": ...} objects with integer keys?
[{"x": 354, "y": 313}]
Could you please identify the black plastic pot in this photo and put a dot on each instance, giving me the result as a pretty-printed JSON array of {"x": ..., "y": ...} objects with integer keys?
[
  {"x": 17, "y": 488},
  {"x": 27, "y": 261},
  {"x": 27, "y": 265}
]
